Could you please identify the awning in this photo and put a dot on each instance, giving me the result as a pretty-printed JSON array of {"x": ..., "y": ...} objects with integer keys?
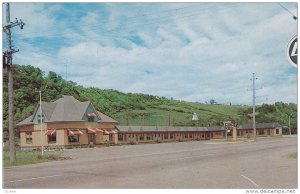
[
  {"x": 74, "y": 132},
  {"x": 94, "y": 130},
  {"x": 99, "y": 130},
  {"x": 91, "y": 114},
  {"x": 91, "y": 130},
  {"x": 51, "y": 132},
  {"x": 109, "y": 132}
]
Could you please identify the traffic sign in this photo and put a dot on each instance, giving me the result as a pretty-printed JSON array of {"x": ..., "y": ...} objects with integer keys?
[{"x": 292, "y": 51}]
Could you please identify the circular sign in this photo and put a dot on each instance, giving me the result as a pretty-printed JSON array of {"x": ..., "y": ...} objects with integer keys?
[{"x": 292, "y": 51}]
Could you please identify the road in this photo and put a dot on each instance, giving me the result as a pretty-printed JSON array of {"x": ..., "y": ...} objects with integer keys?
[{"x": 199, "y": 165}]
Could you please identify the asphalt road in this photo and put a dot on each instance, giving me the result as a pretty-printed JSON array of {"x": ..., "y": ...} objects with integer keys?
[{"x": 199, "y": 164}]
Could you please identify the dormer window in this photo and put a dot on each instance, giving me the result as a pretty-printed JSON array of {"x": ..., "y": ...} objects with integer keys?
[
  {"x": 39, "y": 118},
  {"x": 91, "y": 117}
]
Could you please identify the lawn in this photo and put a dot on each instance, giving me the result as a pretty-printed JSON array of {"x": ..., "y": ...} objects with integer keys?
[
  {"x": 293, "y": 155},
  {"x": 32, "y": 157}
]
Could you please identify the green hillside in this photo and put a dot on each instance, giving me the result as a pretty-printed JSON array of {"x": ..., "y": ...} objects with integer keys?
[{"x": 128, "y": 108}]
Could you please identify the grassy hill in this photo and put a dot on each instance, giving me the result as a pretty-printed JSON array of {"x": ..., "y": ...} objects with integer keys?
[{"x": 128, "y": 108}]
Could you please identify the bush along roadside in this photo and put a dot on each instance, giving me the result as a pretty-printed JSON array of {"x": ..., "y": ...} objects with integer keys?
[{"x": 32, "y": 157}]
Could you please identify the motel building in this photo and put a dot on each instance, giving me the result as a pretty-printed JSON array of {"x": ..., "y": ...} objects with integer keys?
[{"x": 68, "y": 122}]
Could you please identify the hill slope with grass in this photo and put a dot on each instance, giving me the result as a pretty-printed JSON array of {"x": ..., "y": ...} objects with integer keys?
[{"x": 129, "y": 108}]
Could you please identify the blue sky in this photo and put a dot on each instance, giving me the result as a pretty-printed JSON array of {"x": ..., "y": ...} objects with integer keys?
[{"x": 188, "y": 51}]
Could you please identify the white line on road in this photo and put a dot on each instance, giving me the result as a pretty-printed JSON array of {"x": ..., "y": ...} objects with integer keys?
[
  {"x": 190, "y": 157},
  {"x": 42, "y": 177},
  {"x": 250, "y": 180}
]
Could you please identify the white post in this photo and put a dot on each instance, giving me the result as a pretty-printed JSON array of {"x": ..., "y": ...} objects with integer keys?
[{"x": 41, "y": 120}]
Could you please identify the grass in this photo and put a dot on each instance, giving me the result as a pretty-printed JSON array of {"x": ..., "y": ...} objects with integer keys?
[
  {"x": 293, "y": 155},
  {"x": 180, "y": 114},
  {"x": 32, "y": 157}
]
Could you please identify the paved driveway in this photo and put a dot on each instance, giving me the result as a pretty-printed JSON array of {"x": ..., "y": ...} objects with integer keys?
[{"x": 199, "y": 164}]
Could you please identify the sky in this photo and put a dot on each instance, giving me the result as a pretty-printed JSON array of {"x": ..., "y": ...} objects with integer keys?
[{"x": 185, "y": 51}]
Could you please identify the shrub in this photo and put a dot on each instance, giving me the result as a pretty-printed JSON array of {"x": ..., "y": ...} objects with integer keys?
[
  {"x": 91, "y": 145},
  {"x": 132, "y": 142}
]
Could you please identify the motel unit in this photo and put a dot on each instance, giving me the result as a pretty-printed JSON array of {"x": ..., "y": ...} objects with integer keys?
[
  {"x": 148, "y": 134},
  {"x": 262, "y": 130}
]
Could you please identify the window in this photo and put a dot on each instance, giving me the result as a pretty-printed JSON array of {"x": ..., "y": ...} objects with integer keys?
[
  {"x": 186, "y": 135},
  {"x": 191, "y": 136},
  {"x": 261, "y": 132},
  {"x": 29, "y": 137},
  {"x": 171, "y": 136},
  {"x": 166, "y": 136},
  {"x": 52, "y": 138},
  {"x": 39, "y": 118},
  {"x": 207, "y": 135},
  {"x": 73, "y": 139},
  {"x": 91, "y": 117},
  {"x": 120, "y": 137},
  {"x": 148, "y": 137},
  {"x": 277, "y": 131},
  {"x": 202, "y": 135},
  {"x": 141, "y": 137}
]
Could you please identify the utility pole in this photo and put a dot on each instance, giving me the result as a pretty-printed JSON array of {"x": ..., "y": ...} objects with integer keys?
[
  {"x": 66, "y": 71},
  {"x": 169, "y": 118},
  {"x": 253, "y": 108},
  {"x": 142, "y": 119},
  {"x": 290, "y": 124},
  {"x": 8, "y": 56}
]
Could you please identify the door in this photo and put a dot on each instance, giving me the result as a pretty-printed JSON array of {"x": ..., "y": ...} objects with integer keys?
[
  {"x": 268, "y": 132},
  {"x": 92, "y": 138}
]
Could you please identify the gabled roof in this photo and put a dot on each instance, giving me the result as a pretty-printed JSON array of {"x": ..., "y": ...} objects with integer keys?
[
  {"x": 66, "y": 108},
  {"x": 27, "y": 121},
  {"x": 105, "y": 118},
  {"x": 259, "y": 125}
]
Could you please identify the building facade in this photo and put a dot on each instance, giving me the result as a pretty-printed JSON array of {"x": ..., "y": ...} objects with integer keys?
[
  {"x": 69, "y": 122},
  {"x": 262, "y": 130},
  {"x": 66, "y": 122},
  {"x": 150, "y": 134}
]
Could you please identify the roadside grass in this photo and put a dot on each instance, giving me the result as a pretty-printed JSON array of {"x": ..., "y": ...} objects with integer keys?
[
  {"x": 32, "y": 157},
  {"x": 293, "y": 155}
]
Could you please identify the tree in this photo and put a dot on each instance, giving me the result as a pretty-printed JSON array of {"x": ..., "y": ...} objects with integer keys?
[{"x": 212, "y": 101}]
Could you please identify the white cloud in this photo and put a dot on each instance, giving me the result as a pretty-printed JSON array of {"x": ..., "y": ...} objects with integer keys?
[{"x": 202, "y": 55}]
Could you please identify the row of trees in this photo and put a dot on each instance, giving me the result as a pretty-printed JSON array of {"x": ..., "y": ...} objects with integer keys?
[{"x": 126, "y": 106}]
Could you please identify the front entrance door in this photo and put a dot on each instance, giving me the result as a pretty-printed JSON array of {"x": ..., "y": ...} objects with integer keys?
[{"x": 91, "y": 138}]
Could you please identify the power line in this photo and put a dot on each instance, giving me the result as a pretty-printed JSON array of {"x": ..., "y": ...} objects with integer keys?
[
  {"x": 151, "y": 22},
  {"x": 286, "y": 9},
  {"x": 100, "y": 24}
]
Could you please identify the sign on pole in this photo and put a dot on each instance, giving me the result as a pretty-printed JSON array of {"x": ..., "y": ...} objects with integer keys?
[{"x": 292, "y": 51}]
